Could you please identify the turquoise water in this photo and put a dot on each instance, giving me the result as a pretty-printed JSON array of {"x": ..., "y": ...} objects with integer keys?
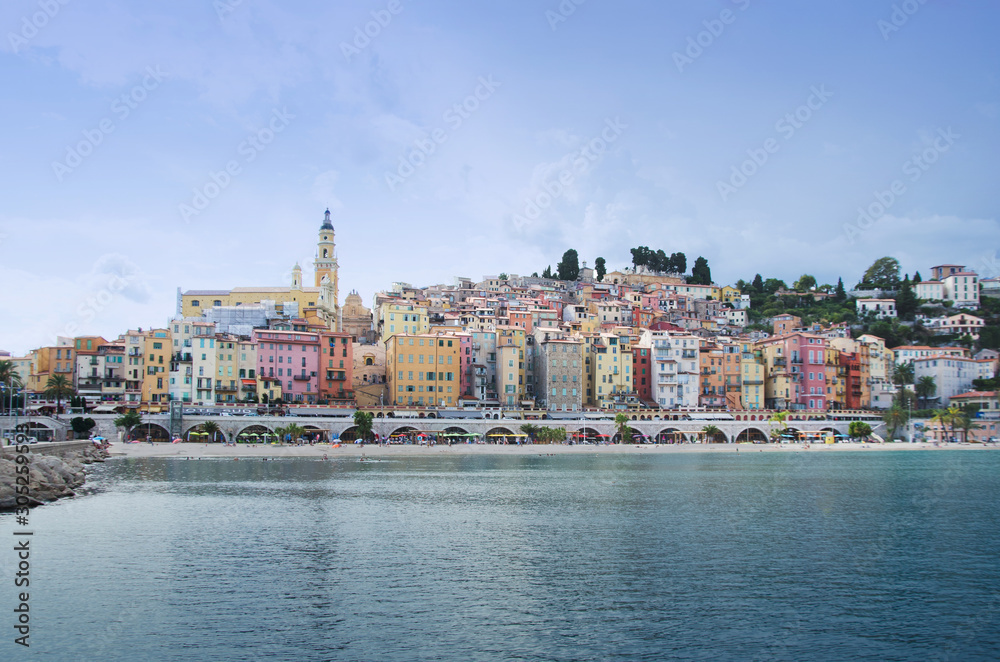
[{"x": 797, "y": 556}]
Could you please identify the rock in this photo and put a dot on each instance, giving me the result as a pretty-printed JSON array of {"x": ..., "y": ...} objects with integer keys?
[{"x": 49, "y": 477}]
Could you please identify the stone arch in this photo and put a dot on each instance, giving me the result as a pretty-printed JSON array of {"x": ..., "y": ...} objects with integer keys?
[
  {"x": 404, "y": 431},
  {"x": 189, "y": 434},
  {"x": 156, "y": 432},
  {"x": 752, "y": 435},
  {"x": 349, "y": 435},
  {"x": 585, "y": 435},
  {"x": 37, "y": 429},
  {"x": 454, "y": 429},
  {"x": 668, "y": 436},
  {"x": 791, "y": 432},
  {"x": 255, "y": 433},
  {"x": 499, "y": 430}
]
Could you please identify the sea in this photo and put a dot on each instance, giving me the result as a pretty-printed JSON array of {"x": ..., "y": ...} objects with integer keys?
[{"x": 790, "y": 555}]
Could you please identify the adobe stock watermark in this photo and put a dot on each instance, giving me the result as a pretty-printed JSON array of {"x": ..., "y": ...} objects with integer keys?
[
  {"x": 249, "y": 149},
  {"x": 225, "y": 8},
  {"x": 899, "y": 17},
  {"x": 122, "y": 107},
  {"x": 363, "y": 35},
  {"x": 580, "y": 161},
  {"x": 565, "y": 9},
  {"x": 714, "y": 27},
  {"x": 98, "y": 302},
  {"x": 786, "y": 127},
  {"x": 913, "y": 169},
  {"x": 32, "y": 25},
  {"x": 454, "y": 117}
]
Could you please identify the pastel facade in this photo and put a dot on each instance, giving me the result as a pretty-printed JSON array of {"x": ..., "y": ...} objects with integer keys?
[
  {"x": 422, "y": 369},
  {"x": 292, "y": 358}
]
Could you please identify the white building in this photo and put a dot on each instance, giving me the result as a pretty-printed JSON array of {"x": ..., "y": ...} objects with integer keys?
[
  {"x": 960, "y": 324},
  {"x": 909, "y": 353},
  {"x": 676, "y": 379},
  {"x": 963, "y": 289},
  {"x": 952, "y": 375},
  {"x": 881, "y": 308},
  {"x": 930, "y": 290}
]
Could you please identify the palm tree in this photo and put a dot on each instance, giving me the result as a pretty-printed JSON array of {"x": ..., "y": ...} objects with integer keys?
[
  {"x": 965, "y": 423},
  {"x": 624, "y": 431},
  {"x": 779, "y": 417},
  {"x": 295, "y": 430},
  {"x": 895, "y": 417},
  {"x": 58, "y": 386},
  {"x": 901, "y": 376},
  {"x": 363, "y": 420},
  {"x": 211, "y": 428},
  {"x": 9, "y": 375},
  {"x": 925, "y": 389},
  {"x": 530, "y": 430},
  {"x": 712, "y": 433}
]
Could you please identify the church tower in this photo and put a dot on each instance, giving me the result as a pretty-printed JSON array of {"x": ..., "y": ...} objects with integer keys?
[{"x": 326, "y": 257}]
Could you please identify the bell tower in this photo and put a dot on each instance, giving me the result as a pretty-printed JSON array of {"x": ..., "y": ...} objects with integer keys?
[{"x": 326, "y": 258}]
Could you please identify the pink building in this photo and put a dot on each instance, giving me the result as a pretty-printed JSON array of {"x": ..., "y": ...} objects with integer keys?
[
  {"x": 804, "y": 357},
  {"x": 291, "y": 357}
]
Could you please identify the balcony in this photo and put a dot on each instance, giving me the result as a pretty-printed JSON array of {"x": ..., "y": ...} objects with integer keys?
[
  {"x": 780, "y": 360},
  {"x": 225, "y": 388},
  {"x": 301, "y": 378},
  {"x": 336, "y": 376}
]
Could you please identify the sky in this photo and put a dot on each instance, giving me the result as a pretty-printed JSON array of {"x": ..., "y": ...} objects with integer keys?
[{"x": 195, "y": 144}]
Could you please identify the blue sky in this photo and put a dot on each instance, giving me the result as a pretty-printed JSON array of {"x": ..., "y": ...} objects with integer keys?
[{"x": 163, "y": 97}]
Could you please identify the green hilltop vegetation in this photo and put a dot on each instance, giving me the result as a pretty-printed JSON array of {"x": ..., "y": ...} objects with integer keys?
[{"x": 816, "y": 303}]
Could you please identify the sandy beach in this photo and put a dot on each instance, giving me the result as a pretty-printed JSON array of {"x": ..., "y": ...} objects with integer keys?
[{"x": 200, "y": 450}]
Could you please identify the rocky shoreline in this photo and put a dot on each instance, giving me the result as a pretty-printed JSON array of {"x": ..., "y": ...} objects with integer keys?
[{"x": 50, "y": 477}]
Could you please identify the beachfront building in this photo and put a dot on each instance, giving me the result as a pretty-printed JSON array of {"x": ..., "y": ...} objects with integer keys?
[
  {"x": 292, "y": 357},
  {"x": 610, "y": 368},
  {"x": 336, "y": 367},
  {"x": 796, "y": 372},
  {"x": 752, "y": 377},
  {"x": 676, "y": 375},
  {"x": 952, "y": 374},
  {"x": 712, "y": 360},
  {"x": 559, "y": 372},
  {"x": 422, "y": 369},
  {"x": 156, "y": 370},
  {"x": 227, "y": 386}
]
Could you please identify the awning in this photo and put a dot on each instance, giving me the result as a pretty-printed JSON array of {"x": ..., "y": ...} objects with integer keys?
[
  {"x": 249, "y": 382},
  {"x": 104, "y": 409}
]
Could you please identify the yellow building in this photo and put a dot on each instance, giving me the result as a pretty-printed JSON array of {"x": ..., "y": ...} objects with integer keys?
[
  {"x": 156, "y": 370},
  {"x": 729, "y": 294},
  {"x": 836, "y": 378},
  {"x": 49, "y": 362},
  {"x": 395, "y": 317},
  {"x": 511, "y": 365},
  {"x": 227, "y": 360},
  {"x": 752, "y": 377},
  {"x": 610, "y": 368},
  {"x": 424, "y": 369},
  {"x": 295, "y": 301}
]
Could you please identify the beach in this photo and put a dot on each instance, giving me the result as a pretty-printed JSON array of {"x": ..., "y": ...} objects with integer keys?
[{"x": 202, "y": 450}]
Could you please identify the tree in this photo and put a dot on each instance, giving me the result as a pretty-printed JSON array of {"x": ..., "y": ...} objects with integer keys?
[
  {"x": 839, "y": 294},
  {"x": 660, "y": 262},
  {"x": 503, "y": 277},
  {"x": 901, "y": 376},
  {"x": 601, "y": 268},
  {"x": 534, "y": 274},
  {"x": 917, "y": 278},
  {"x": 882, "y": 275},
  {"x": 859, "y": 430},
  {"x": 779, "y": 418},
  {"x": 530, "y": 430},
  {"x": 925, "y": 389},
  {"x": 678, "y": 263},
  {"x": 641, "y": 256},
  {"x": 548, "y": 272},
  {"x": 9, "y": 375},
  {"x": 569, "y": 267},
  {"x": 128, "y": 421},
  {"x": 624, "y": 431},
  {"x": 81, "y": 426},
  {"x": 772, "y": 285},
  {"x": 211, "y": 428},
  {"x": 712, "y": 433},
  {"x": 363, "y": 421},
  {"x": 58, "y": 387},
  {"x": 805, "y": 283},
  {"x": 906, "y": 301},
  {"x": 700, "y": 272},
  {"x": 895, "y": 417},
  {"x": 758, "y": 284}
]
